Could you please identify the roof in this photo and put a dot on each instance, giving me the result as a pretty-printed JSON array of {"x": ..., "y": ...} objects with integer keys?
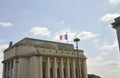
[{"x": 43, "y": 43}]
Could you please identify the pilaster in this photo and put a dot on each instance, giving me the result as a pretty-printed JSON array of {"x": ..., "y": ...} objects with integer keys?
[
  {"x": 68, "y": 69},
  {"x": 55, "y": 68},
  {"x": 73, "y": 68},
  {"x": 41, "y": 67},
  {"x": 61, "y": 68},
  {"x": 48, "y": 68}
]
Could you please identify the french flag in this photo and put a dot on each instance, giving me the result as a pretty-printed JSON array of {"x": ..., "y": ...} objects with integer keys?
[{"x": 65, "y": 37}]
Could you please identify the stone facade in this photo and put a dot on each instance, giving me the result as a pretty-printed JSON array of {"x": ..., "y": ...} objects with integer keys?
[
  {"x": 33, "y": 58},
  {"x": 116, "y": 25}
]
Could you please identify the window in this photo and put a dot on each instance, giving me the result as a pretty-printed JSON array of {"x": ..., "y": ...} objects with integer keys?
[
  {"x": 51, "y": 70},
  {"x": 76, "y": 73},
  {"x": 64, "y": 70},
  {"x": 44, "y": 70},
  {"x": 70, "y": 70},
  {"x": 12, "y": 64},
  {"x": 58, "y": 70}
]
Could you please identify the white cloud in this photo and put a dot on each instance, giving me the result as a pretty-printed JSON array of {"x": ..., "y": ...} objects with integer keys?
[
  {"x": 109, "y": 46},
  {"x": 114, "y": 2},
  {"x": 86, "y": 35},
  {"x": 2, "y": 47},
  {"x": 43, "y": 31},
  {"x": 102, "y": 67},
  {"x": 109, "y": 16},
  {"x": 63, "y": 32},
  {"x": 5, "y": 24},
  {"x": 107, "y": 63}
]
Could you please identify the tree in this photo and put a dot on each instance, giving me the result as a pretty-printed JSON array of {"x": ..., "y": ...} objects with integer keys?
[{"x": 93, "y": 76}]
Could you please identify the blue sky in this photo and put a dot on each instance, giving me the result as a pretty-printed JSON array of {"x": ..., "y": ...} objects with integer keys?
[{"x": 89, "y": 20}]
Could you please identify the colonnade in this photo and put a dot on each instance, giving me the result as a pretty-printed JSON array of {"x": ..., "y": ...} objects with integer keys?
[
  {"x": 43, "y": 67},
  {"x": 53, "y": 67}
]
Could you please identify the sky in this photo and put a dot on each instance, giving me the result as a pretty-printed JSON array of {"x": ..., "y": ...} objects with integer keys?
[{"x": 89, "y": 20}]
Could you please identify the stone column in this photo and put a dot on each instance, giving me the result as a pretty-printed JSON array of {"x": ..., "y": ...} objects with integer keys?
[
  {"x": 48, "y": 68},
  {"x": 23, "y": 68},
  {"x": 41, "y": 67},
  {"x": 68, "y": 69},
  {"x": 10, "y": 70},
  {"x": 15, "y": 68},
  {"x": 13, "y": 72},
  {"x": 80, "y": 63},
  {"x": 34, "y": 67},
  {"x": 116, "y": 25},
  {"x": 55, "y": 68},
  {"x": 61, "y": 68},
  {"x": 73, "y": 69},
  {"x": 4, "y": 70},
  {"x": 84, "y": 66}
]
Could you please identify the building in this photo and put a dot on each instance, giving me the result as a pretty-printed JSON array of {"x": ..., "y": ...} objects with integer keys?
[
  {"x": 33, "y": 58},
  {"x": 116, "y": 25}
]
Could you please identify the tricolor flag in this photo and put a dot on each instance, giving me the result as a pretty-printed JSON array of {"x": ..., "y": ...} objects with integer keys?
[{"x": 63, "y": 37}]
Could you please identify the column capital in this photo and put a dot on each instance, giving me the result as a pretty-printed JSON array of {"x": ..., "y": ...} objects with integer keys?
[{"x": 116, "y": 23}]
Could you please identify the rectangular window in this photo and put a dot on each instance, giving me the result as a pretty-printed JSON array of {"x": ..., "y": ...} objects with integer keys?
[
  {"x": 64, "y": 70},
  {"x": 51, "y": 70},
  {"x": 8, "y": 65},
  {"x": 12, "y": 64},
  {"x": 76, "y": 73},
  {"x": 58, "y": 73},
  {"x": 58, "y": 70},
  {"x": 44, "y": 70},
  {"x": 70, "y": 70}
]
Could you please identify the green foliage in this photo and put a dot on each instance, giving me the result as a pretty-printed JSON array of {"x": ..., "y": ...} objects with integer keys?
[{"x": 93, "y": 76}]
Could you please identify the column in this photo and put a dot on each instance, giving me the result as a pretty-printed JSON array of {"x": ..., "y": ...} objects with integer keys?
[
  {"x": 84, "y": 66},
  {"x": 68, "y": 69},
  {"x": 73, "y": 69},
  {"x": 61, "y": 68},
  {"x": 23, "y": 68},
  {"x": 116, "y": 25},
  {"x": 55, "y": 68},
  {"x": 15, "y": 70},
  {"x": 41, "y": 67},
  {"x": 80, "y": 63},
  {"x": 34, "y": 67},
  {"x": 48, "y": 68},
  {"x": 4, "y": 70},
  {"x": 10, "y": 75}
]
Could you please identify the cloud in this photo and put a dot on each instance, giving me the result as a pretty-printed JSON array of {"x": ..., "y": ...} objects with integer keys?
[
  {"x": 43, "y": 31},
  {"x": 86, "y": 35},
  {"x": 2, "y": 48},
  {"x": 109, "y": 16},
  {"x": 114, "y": 2},
  {"x": 104, "y": 68},
  {"x": 109, "y": 46},
  {"x": 63, "y": 32},
  {"x": 5, "y": 24},
  {"x": 106, "y": 64}
]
